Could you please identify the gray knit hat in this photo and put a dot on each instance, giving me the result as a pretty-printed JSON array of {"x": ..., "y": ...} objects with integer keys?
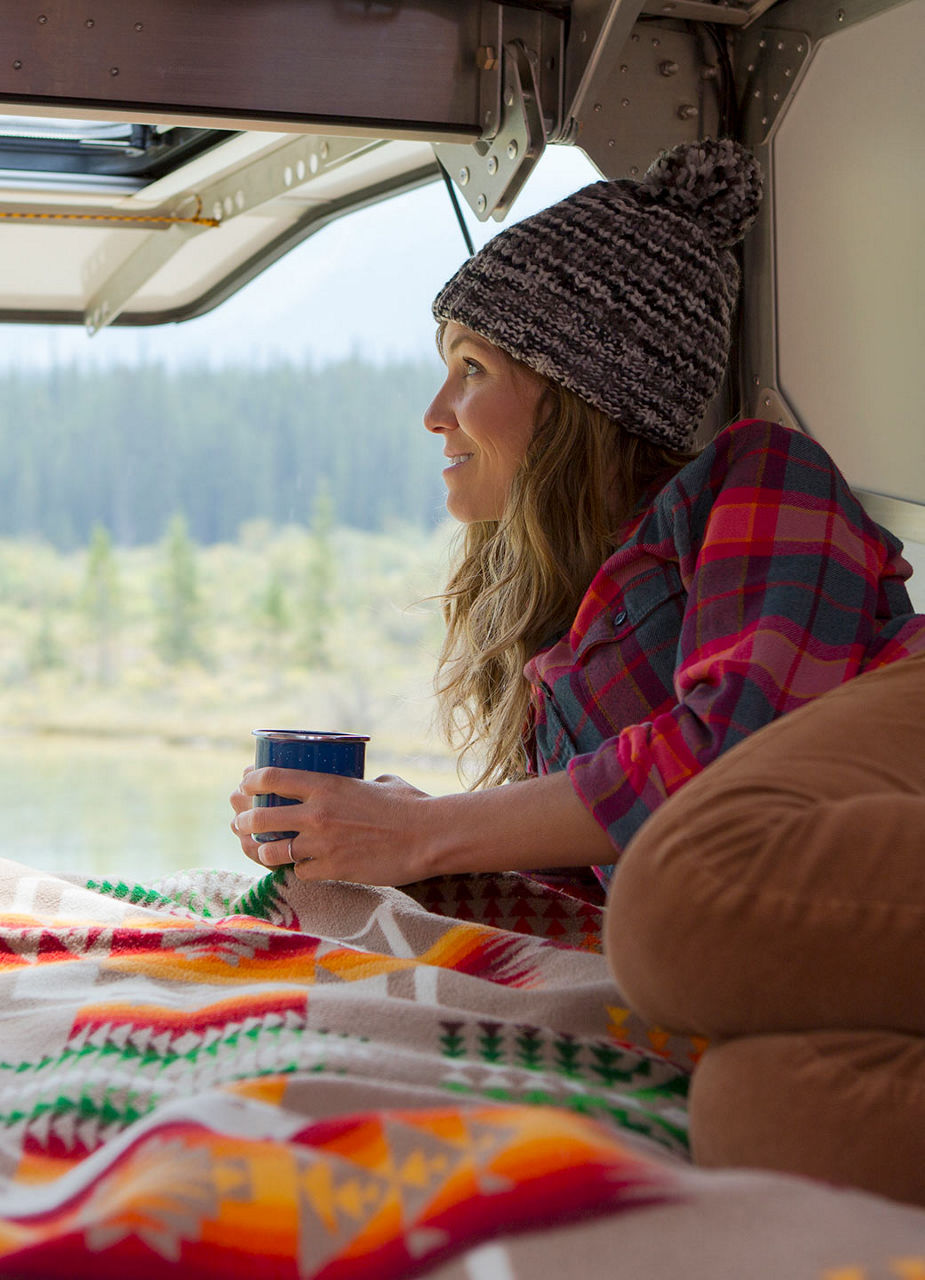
[{"x": 624, "y": 292}]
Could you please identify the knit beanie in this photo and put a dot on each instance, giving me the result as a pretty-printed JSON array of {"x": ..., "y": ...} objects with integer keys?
[{"x": 625, "y": 291}]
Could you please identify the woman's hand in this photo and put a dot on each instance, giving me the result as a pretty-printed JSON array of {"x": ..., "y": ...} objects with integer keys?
[
  {"x": 388, "y": 832},
  {"x": 346, "y": 828}
]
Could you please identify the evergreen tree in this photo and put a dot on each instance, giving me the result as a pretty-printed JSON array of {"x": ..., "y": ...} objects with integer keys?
[
  {"x": 101, "y": 602},
  {"x": 43, "y": 652},
  {"x": 274, "y": 622},
  {"x": 180, "y": 605},
  {"x": 317, "y": 604},
  {"x": 274, "y": 610}
]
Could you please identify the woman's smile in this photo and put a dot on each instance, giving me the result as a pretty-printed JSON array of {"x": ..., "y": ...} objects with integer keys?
[{"x": 456, "y": 460}]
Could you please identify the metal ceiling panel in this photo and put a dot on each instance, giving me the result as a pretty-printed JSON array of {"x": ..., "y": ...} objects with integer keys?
[{"x": 400, "y": 69}]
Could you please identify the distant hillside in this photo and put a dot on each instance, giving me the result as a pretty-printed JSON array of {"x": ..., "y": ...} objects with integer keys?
[{"x": 128, "y": 447}]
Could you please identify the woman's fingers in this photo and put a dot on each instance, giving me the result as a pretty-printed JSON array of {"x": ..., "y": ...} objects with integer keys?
[
  {"x": 249, "y": 821},
  {"x": 294, "y": 784},
  {"x": 257, "y": 822}
]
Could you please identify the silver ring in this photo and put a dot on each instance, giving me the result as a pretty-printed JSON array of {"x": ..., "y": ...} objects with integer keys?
[{"x": 291, "y": 858}]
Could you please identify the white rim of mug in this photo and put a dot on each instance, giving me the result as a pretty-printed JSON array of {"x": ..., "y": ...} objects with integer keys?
[{"x": 298, "y": 735}]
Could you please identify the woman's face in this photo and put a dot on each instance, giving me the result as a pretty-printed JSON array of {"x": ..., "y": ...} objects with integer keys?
[{"x": 486, "y": 412}]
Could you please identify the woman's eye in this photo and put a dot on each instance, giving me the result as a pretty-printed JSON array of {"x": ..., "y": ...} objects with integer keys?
[{"x": 471, "y": 367}]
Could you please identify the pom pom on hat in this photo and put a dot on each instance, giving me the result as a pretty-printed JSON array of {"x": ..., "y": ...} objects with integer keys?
[
  {"x": 716, "y": 184},
  {"x": 624, "y": 292}
]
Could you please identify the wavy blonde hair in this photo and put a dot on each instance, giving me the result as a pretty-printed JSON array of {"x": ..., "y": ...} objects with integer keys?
[{"x": 516, "y": 583}]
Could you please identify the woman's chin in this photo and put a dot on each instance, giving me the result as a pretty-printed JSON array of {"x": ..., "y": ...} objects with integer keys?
[
  {"x": 459, "y": 508},
  {"x": 468, "y": 509},
  {"x": 465, "y": 514}
]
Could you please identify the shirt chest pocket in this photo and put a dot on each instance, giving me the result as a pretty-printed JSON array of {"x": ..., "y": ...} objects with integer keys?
[{"x": 624, "y": 666}]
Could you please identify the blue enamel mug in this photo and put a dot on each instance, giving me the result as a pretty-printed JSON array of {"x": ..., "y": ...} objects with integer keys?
[{"x": 343, "y": 753}]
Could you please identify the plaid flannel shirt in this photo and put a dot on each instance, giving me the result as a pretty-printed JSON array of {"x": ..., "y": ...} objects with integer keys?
[{"x": 753, "y": 582}]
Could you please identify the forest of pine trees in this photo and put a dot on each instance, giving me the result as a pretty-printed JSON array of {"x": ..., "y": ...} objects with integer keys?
[{"x": 130, "y": 448}]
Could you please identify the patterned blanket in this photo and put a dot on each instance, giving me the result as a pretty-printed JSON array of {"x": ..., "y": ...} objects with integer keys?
[
  {"x": 222, "y": 1076},
  {"x": 333, "y": 1080}
]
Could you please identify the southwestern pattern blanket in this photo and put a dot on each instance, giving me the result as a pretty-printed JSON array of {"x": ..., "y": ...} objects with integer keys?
[{"x": 218, "y": 1075}]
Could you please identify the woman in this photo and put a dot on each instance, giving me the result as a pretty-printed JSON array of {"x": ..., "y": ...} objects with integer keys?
[{"x": 622, "y": 612}]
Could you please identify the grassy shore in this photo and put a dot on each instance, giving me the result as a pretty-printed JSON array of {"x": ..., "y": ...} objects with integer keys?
[{"x": 109, "y": 751}]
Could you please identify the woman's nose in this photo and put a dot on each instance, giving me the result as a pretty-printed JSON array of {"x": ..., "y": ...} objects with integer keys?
[{"x": 438, "y": 416}]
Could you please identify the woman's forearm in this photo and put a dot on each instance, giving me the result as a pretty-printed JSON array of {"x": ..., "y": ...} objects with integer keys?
[{"x": 520, "y": 826}]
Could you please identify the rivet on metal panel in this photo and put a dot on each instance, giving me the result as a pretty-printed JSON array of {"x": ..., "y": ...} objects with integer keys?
[
  {"x": 492, "y": 165},
  {"x": 509, "y": 99},
  {"x": 583, "y": 37},
  {"x": 287, "y": 175},
  {"x": 624, "y": 67},
  {"x": 300, "y": 170},
  {"x": 239, "y": 199},
  {"x": 89, "y": 23},
  {"x": 598, "y": 107},
  {"x": 669, "y": 68},
  {"x": 634, "y": 169},
  {"x": 635, "y": 37},
  {"x": 482, "y": 204},
  {"x": 113, "y": 71},
  {"x": 217, "y": 211},
  {"x": 611, "y": 142},
  {"x": 512, "y": 149},
  {"x": 17, "y": 64},
  {"x": 655, "y": 42},
  {"x": 463, "y": 177},
  {"x": 229, "y": 206},
  {"x": 139, "y": 26},
  {"x": 687, "y": 111},
  {"x": 42, "y": 19},
  {"x": 624, "y": 102},
  {"x": 757, "y": 380},
  {"x": 762, "y": 43},
  {"x": 840, "y": 15},
  {"x": 313, "y": 162},
  {"x": 325, "y": 150}
]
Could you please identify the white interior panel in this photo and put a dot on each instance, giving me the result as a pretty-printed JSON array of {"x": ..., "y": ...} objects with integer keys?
[{"x": 849, "y": 176}]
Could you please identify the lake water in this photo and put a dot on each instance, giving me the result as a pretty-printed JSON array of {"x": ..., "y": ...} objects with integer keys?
[{"x": 135, "y": 809}]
